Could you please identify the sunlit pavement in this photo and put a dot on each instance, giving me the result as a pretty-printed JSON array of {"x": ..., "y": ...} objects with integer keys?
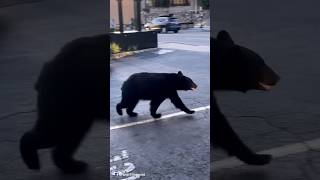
[
  {"x": 285, "y": 33},
  {"x": 176, "y": 147}
]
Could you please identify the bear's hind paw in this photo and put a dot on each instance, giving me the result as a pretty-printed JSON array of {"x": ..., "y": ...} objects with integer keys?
[
  {"x": 190, "y": 111},
  {"x": 28, "y": 153},
  {"x": 257, "y": 159},
  {"x": 119, "y": 109},
  {"x": 156, "y": 116}
]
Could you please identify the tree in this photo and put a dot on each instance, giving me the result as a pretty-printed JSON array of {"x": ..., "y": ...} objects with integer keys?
[{"x": 205, "y": 4}]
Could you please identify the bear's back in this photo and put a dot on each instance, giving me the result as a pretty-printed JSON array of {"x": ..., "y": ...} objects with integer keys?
[{"x": 149, "y": 85}]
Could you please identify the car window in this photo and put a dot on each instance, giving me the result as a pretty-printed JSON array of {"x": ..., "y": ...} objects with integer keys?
[
  {"x": 173, "y": 20},
  {"x": 159, "y": 20}
]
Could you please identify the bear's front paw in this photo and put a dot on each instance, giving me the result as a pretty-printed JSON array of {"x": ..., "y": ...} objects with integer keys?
[
  {"x": 257, "y": 159},
  {"x": 74, "y": 167},
  {"x": 132, "y": 114},
  {"x": 156, "y": 116},
  {"x": 190, "y": 111}
]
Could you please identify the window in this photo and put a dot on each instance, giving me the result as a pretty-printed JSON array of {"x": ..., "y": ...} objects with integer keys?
[{"x": 179, "y": 2}]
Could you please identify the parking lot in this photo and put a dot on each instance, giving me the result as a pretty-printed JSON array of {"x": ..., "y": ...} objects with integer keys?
[{"x": 177, "y": 145}]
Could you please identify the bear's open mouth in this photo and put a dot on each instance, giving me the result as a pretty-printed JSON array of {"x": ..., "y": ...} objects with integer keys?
[
  {"x": 265, "y": 87},
  {"x": 194, "y": 87}
]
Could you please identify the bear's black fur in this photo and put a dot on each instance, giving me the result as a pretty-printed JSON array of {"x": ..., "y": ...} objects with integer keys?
[
  {"x": 155, "y": 87},
  {"x": 72, "y": 92},
  {"x": 236, "y": 68}
]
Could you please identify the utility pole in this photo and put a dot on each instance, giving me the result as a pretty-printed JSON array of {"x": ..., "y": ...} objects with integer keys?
[
  {"x": 120, "y": 16},
  {"x": 137, "y": 14}
]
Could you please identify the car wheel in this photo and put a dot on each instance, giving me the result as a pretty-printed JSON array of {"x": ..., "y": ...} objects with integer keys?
[
  {"x": 164, "y": 29},
  {"x": 176, "y": 31}
]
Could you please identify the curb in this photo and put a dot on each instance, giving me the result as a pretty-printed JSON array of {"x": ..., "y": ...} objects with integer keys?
[{"x": 130, "y": 53}]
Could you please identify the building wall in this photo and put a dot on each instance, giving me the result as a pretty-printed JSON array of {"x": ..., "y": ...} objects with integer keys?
[
  {"x": 128, "y": 11},
  {"x": 187, "y": 13}
]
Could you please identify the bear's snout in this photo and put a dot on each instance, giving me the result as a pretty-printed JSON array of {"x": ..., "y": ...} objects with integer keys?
[
  {"x": 193, "y": 86},
  {"x": 269, "y": 79}
]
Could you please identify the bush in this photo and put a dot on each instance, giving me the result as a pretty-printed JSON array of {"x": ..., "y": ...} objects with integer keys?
[{"x": 115, "y": 48}]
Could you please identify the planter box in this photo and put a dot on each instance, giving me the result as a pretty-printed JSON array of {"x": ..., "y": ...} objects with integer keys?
[{"x": 135, "y": 40}]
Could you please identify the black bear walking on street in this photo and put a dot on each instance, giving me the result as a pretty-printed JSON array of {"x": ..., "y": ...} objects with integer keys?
[
  {"x": 236, "y": 68},
  {"x": 155, "y": 87},
  {"x": 72, "y": 92}
]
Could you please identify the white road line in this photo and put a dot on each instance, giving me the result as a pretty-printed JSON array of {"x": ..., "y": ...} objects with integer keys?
[
  {"x": 153, "y": 120},
  {"x": 163, "y": 51},
  {"x": 187, "y": 47},
  {"x": 276, "y": 152}
]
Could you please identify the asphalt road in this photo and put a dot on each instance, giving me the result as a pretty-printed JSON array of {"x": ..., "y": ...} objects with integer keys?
[
  {"x": 286, "y": 34},
  {"x": 30, "y": 35},
  {"x": 175, "y": 147}
]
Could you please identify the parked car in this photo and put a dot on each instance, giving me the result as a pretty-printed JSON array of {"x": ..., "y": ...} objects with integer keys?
[{"x": 163, "y": 24}]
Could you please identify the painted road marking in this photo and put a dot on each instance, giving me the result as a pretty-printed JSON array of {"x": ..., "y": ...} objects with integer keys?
[
  {"x": 153, "y": 120},
  {"x": 123, "y": 170},
  {"x": 187, "y": 47},
  {"x": 124, "y": 155},
  {"x": 276, "y": 152}
]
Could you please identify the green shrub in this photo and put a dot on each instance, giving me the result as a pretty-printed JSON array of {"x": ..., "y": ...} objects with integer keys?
[{"x": 115, "y": 48}]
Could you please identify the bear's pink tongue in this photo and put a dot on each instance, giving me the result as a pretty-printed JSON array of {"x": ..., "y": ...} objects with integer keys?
[{"x": 265, "y": 86}]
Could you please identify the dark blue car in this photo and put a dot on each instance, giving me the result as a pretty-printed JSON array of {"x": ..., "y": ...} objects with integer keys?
[{"x": 163, "y": 24}]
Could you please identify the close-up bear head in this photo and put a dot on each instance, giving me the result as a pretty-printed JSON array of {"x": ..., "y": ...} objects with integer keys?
[
  {"x": 185, "y": 83},
  {"x": 235, "y": 67}
]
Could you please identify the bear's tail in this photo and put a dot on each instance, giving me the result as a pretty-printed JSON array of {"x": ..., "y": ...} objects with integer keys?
[{"x": 29, "y": 151}]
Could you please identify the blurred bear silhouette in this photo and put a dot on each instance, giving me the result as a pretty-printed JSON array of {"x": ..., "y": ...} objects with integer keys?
[
  {"x": 236, "y": 68},
  {"x": 72, "y": 92}
]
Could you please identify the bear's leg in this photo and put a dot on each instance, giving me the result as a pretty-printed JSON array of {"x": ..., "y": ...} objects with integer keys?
[
  {"x": 223, "y": 135},
  {"x": 131, "y": 105},
  {"x": 123, "y": 104},
  {"x": 175, "y": 99},
  {"x": 154, "y": 105},
  {"x": 63, "y": 152},
  {"x": 119, "y": 108},
  {"x": 69, "y": 139},
  {"x": 30, "y": 142},
  {"x": 125, "y": 101}
]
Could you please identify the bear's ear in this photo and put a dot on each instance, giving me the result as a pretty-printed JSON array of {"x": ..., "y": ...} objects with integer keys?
[
  {"x": 224, "y": 38},
  {"x": 180, "y": 73}
]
